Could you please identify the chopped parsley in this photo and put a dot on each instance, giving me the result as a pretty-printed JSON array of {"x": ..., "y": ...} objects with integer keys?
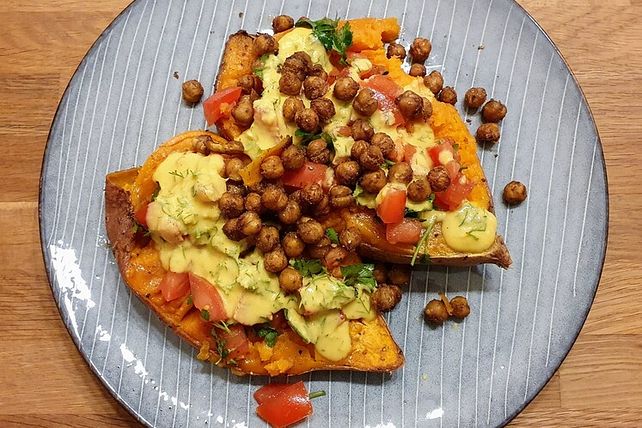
[
  {"x": 332, "y": 37},
  {"x": 360, "y": 273},
  {"x": 260, "y": 66},
  {"x": 307, "y": 267},
  {"x": 308, "y": 137},
  {"x": 333, "y": 235},
  {"x": 205, "y": 314},
  {"x": 268, "y": 334},
  {"x": 410, "y": 213}
]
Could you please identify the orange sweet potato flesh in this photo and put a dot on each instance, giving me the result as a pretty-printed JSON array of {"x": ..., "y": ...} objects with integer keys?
[{"x": 373, "y": 348}]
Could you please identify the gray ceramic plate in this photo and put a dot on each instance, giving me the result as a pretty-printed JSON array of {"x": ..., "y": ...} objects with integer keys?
[{"x": 123, "y": 101}]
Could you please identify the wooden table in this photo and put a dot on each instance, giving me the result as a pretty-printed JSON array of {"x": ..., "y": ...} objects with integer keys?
[{"x": 44, "y": 380}]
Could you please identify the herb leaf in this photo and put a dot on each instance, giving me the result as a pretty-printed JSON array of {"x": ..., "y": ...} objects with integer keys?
[
  {"x": 330, "y": 35},
  {"x": 333, "y": 235},
  {"x": 205, "y": 314},
  {"x": 360, "y": 273},
  {"x": 308, "y": 137},
  {"x": 268, "y": 334},
  {"x": 307, "y": 267}
]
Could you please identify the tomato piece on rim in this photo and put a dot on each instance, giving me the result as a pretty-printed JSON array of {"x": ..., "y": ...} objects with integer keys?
[
  {"x": 452, "y": 197},
  {"x": 174, "y": 285},
  {"x": 309, "y": 173},
  {"x": 287, "y": 407},
  {"x": 206, "y": 297},
  {"x": 392, "y": 207},
  {"x": 212, "y": 106},
  {"x": 406, "y": 232},
  {"x": 141, "y": 215}
]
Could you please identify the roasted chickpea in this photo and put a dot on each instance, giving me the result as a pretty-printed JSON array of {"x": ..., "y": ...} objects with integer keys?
[
  {"x": 400, "y": 172},
  {"x": 282, "y": 23},
  {"x": 318, "y": 71},
  {"x": 233, "y": 167},
  {"x": 312, "y": 194},
  {"x": 358, "y": 148},
  {"x": 460, "y": 308},
  {"x": 249, "y": 223},
  {"x": 438, "y": 179},
  {"x": 396, "y": 50},
  {"x": 320, "y": 249},
  {"x": 253, "y": 203},
  {"x": 289, "y": 83},
  {"x": 345, "y": 88},
  {"x": 361, "y": 130},
  {"x": 435, "y": 312},
  {"x": 324, "y": 108},
  {"x": 347, "y": 172},
  {"x": 380, "y": 273},
  {"x": 293, "y": 245},
  {"x": 341, "y": 196},
  {"x": 192, "y": 91},
  {"x": 350, "y": 239},
  {"x": 386, "y": 297},
  {"x": 290, "y": 280},
  {"x": 310, "y": 231},
  {"x": 323, "y": 207},
  {"x": 243, "y": 111},
  {"x": 249, "y": 83},
  {"x": 274, "y": 198},
  {"x": 272, "y": 167},
  {"x": 199, "y": 145},
  {"x": 291, "y": 213},
  {"x": 231, "y": 204},
  {"x": 410, "y": 105},
  {"x": 427, "y": 109},
  {"x": 371, "y": 159},
  {"x": 291, "y": 106},
  {"x": 314, "y": 87},
  {"x": 334, "y": 257},
  {"x": 307, "y": 119},
  {"x": 434, "y": 81},
  {"x": 493, "y": 111},
  {"x": 475, "y": 98},
  {"x": 419, "y": 190},
  {"x": 365, "y": 103},
  {"x": 448, "y": 95},
  {"x": 318, "y": 151},
  {"x": 374, "y": 181},
  {"x": 275, "y": 261},
  {"x": 265, "y": 44},
  {"x": 257, "y": 187},
  {"x": 293, "y": 157},
  {"x": 420, "y": 49},
  {"x": 514, "y": 193},
  {"x": 399, "y": 275},
  {"x": 296, "y": 66},
  {"x": 235, "y": 187},
  {"x": 417, "y": 70},
  {"x": 296, "y": 196},
  {"x": 231, "y": 229},
  {"x": 488, "y": 132},
  {"x": 267, "y": 239},
  {"x": 385, "y": 144},
  {"x": 305, "y": 58}
]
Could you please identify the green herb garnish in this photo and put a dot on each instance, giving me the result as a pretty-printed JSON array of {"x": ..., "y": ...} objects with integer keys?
[
  {"x": 410, "y": 213},
  {"x": 316, "y": 394},
  {"x": 258, "y": 71},
  {"x": 190, "y": 300},
  {"x": 205, "y": 314},
  {"x": 333, "y": 235},
  {"x": 360, "y": 273},
  {"x": 308, "y": 137},
  {"x": 307, "y": 267},
  {"x": 268, "y": 334},
  {"x": 330, "y": 35}
]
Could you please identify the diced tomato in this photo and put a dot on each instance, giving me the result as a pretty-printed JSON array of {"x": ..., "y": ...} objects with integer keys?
[
  {"x": 337, "y": 73},
  {"x": 309, "y": 173},
  {"x": 288, "y": 406},
  {"x": 269, "y": 391},
  {"x": 213, "y": 106},
  {"x": 206, "y": 297},
  {"x": 452, "y": 168},
  {"x": 384, "y": 85},
  {"x": 408, "y": 152},
  {"x": 452, "y": 197},
  {"x": 373, "y": 71},
  {"x": 174, "y": 285},
  {"x": 443, "y": 145},
  {"x": 406, "y": 232},
  {"x": 392, "y": 207},
  {"x": 236, "y": 342},
  {"x": 141, "y": 215}
]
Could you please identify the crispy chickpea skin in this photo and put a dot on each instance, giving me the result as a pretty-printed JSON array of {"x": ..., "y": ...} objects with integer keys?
[
  {"x": 296, "y": 66},
  {"x": 318, "y": 71},
  {"x": 385, "y": 144},
  {"x": 488, "y": 133},
  {"x": 293, "y": 245},
  {"x": 435, "y": 312},
  {"x": 386, "y": 297},
  {"x": 410, "y": 105},
  {"x": 324, "y": 108},
  {"x": 365, "y": 103},
  {"x": 401, "y": 172},
  {"x": 290, "y": 280},
  {"x": 358, "y": 148},
  {"x": 448, "y": 95},
  {"x": 438, "y": 179},
  {"x": 345, "y": 88},
  {"x": 434, "y": 81},
  {"x": 291, "y": 213},
  {"x": 460, "y": 308},
  {"x": 291, "y": 106},
  {"x": 399, "y": 275},
  {"x": 371, "y": 159},
  {"x": 493, "y": 111},
  {"x": 235, "y": 187},
  {"x": 420, "y": 49},
  {"x": 303, "y": 57},
  {"x": 282, "y": 23},
  {"x": 417, "y": 70},
  {"x": 264, "y": 43},
  {"x": 243, "y": 111},
  {"x": 380, "y": 273},
  {"x": 396, "y": 50},
  {"x": 267, "y": 239},
  {"x": 374, "y": 181},
  {"x": 231, "y": 229},
  {"x": 310, "y": 231},
  {"x": 307, "y": 119},
  {"x": 253, "y": 203},
  {"x": 419, "y": 190},
  {"x": 347, "y": 172},
  {"x": 320, "y": 249},
  {"x": 249, "y": 223},
  {"x": 341, "y": 196},
  {"x": 231, "y": 204},
  {"x": 192, "y": 91},
  {"x": 427, "y": 109},
  {"x": 314, "y": 87},
  {"x": 233, "y": 167},
  {"x": 318, "y": 151},
  {"x": 289, "y": 83},
  {"x": 293, "y": 157},
  {"x": 475, "y": 98},
  {"x": 272, "y": 167},
  {"x": 250, "y": 82},
  {"x": 312, "y": 194},
  {"x": 199, "y": 145},
  {"x": 514, "y": 193},
  {"x": 350, "y": 239},
  {"x": 323, "y": 208},
  {"x": 275, "y": 261},
  {"x": 361, "y": 130},
  {"x": 274, "y": 198}
]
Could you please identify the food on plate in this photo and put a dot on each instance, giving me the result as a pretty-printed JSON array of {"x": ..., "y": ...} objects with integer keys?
[
  {"x": 488, "y": 133},
  {"x": 514, "y": 193},
  {"x": 192, "y": 91},
  {"x": 437, "y": 312},
  {"x": 282, "y": 404},
  {"x": 475, "y": 98},
  {"x": 494, "y": 111}
]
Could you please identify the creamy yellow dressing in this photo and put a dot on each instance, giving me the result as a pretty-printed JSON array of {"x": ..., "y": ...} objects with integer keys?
[{"x": 469, "y": 229}]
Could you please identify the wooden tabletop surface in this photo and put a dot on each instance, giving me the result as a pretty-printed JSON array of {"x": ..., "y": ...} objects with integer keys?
[{"x": 44, "y": 380}]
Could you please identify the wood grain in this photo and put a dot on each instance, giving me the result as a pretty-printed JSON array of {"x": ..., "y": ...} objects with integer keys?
[{"x": 41, "y": 43}]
